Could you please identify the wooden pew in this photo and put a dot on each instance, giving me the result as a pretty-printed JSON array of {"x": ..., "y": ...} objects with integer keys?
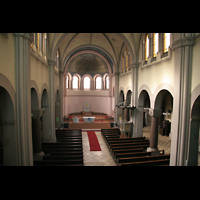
[
  {"x": 72, "y": 140},
  {"x": 124, "y": 145},
  {"x": 66, "y": 153},
  {"x": 132, "y": 140},
  {"x": 69, "y": 157},
  {"x": 164, "y": 162},
  {"x": 61, "y": 133},
  {"x": 137, "y": 154},
  {"x": 59, "y": 163},
  {"x": 62, "y": 145},
  {"x": 125, "y": 139},
  {"x": 142, "y": 159},
  {"x": 144, "y": 147}
]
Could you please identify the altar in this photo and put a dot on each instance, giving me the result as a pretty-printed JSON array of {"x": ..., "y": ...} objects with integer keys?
[{"x": 89, "y": 119}]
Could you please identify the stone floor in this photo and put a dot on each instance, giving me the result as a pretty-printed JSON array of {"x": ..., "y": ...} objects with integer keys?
[
  {"x": 104, "y": 158},
  {"x": 96, "y": 158},
  {"x": 163, "y": 141}
]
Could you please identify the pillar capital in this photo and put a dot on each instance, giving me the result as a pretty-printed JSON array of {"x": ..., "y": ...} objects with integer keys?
[{"x": 155, "y": 113}]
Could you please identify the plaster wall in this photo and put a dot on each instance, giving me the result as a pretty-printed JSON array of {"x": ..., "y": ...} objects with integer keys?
[
  {"x": 156, "y": 74},
  {"x": 97, "y": 104},
  {"x": 7, "y": 57},
  {"x": 39, "y": 72},
  {"x": 125, "y": 82},
  {"x": 195, "y": 64}
]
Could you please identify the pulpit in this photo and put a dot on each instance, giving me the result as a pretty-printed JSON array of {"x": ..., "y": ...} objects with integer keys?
[{"x": 75, "y": 119}]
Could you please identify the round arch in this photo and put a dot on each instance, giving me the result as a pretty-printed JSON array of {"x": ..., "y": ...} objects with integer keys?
[
  {"x": 8, "y": 137},
  {"x": 5, "y": 83},
  {"x": 194, "y": 135},
  {"x": 144, "y": 99},
  {"x": 147, "y": 89},
  {"x": 121, "y": 95},
  {"x": 57, "y": 41},
  {"x": 160, "y": 97},
  {"x": 34, "y": 103},
  {"x": 65, "y": 65}
]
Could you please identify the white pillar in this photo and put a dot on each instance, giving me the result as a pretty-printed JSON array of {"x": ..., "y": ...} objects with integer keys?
[
  {"x": 116, "y": 94},
  {"x": 182, "y": 48},
  {"x": 134, "y": 85},
  {"x": 52, "y": 134},
  {"x": 23, "y": 98}
]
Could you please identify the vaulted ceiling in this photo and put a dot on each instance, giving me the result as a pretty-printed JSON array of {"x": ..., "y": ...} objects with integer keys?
[{"x": 111, "y": 44}]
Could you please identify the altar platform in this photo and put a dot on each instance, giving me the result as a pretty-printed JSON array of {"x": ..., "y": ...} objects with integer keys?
[{"x": 89, "y": 120}]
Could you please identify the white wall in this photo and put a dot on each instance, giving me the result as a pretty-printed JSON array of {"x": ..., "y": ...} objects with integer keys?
[
  {"x": 39, "y": 71},
  {"x": 196, "y": 64},
  {"x": 7, "y": 57},
  {"x": 97, "y": 103}
]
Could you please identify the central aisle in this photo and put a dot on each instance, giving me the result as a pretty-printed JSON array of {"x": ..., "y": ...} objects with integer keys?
[{"x": 96, "y": 158}]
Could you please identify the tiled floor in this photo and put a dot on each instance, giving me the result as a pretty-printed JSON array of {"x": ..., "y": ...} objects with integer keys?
[
  {"x": 96, "y": 158},
  {"x": 163, "y": 142},
  {"x": 104, "y": 158}
]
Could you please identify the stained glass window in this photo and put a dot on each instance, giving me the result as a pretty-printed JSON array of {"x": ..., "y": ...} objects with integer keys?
[
  {"x": 155, "y": 44},
  {"x": 147, "y": 47},
  {"x": 98, "y": 82},
  {"x": 87, "y": 83},
  {"x": 75, "y": 82},
  {"x": 107, "y": 82},
  {"x": 166, "y": 42}
]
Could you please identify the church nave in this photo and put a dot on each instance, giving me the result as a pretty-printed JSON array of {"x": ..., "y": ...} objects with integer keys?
[{"x": 96, "y": 158}]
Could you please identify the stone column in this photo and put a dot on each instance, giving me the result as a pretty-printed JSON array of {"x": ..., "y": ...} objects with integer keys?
[
  {"x": 23, "y": 98},
  {"x": 134, "y": 85},
  {"x": 116, "y": 94},
  {"x": 182, "y": 47},
  {"x": 155, "y": 114},
  {"x": 52, "y": 134},
  {"x": 61, "y": 95}
]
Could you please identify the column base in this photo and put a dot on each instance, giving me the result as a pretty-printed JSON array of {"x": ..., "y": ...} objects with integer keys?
[{"x": 151, "y": 149}]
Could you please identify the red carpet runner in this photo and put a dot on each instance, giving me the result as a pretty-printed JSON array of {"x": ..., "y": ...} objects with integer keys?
[{"x": 94, "y": 143}]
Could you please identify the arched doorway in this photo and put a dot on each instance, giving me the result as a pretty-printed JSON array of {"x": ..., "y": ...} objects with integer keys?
[
  {"x": 57, "y": 110},
  {"x": 36, "y": 123},
  {"x": 164, "y": 101},
  {"x": 161, "y": 121},
  {"x": 45, "y": 116},
  {"x": 121, "y": 103},
  {"x": 129, "y": 104},
  {"x": 144, "y": 118},
  {"x": 8, "y": 137},
  {"x": 194, "y": 134}
]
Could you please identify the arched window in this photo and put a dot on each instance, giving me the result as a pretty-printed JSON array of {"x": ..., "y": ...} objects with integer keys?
[
  {"x": 98, "y": 82},
  {"x": 166, "y": 42},
  {"x": 155, "y": 44},
  {"x": 146, "y": 47},
  {"x": 75, "y": 82},
  {"x": 86, "y": 83},
  {"x": 38, "y": 40},
  {"x": 122, "y": 62},
  {"x": 127, "y": 64},
  {"x": 67, "y": 82},
  {"x": 107, "y": 82}
]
